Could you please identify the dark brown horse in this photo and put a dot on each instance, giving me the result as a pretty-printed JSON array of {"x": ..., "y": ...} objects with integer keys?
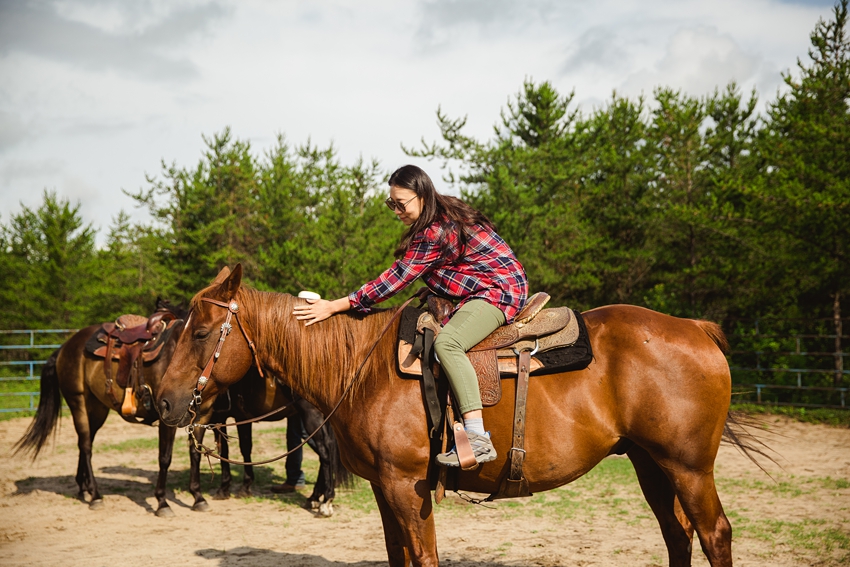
[
  {"x": 658, "y": 388},
  {"x": 71, "y": 372},
  {"x": 76, "y": 375}
]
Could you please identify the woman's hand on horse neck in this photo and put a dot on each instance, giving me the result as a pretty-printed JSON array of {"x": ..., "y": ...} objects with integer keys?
[{"x": 316, "y": 310}]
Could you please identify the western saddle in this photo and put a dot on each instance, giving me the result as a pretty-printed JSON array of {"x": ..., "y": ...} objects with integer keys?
[
  {"x": 509, "y": 350},
  {"x": 132, "y": 340}
]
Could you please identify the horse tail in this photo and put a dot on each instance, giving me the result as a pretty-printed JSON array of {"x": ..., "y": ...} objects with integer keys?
[
  {"x": 714, "y": 331},
  {"x": 736, "y": 432},
  {"x": 342, "y": 476},
  {"x": 47, "y": 414}
]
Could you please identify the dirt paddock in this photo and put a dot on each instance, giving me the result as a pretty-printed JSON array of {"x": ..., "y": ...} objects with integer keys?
[{"x": 800, "y": 517}]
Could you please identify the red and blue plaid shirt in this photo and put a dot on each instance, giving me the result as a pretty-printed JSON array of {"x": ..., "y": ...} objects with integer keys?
[{"x": 487, "y": 270}]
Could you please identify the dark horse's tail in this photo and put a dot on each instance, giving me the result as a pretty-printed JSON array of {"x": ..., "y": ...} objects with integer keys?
[
  {"x": 735, "y": 431},
  {"x": 49, "y": 408},
  {"x": 342, "y": 477}
]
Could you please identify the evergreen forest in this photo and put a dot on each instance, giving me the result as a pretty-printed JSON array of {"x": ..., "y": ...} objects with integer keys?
[{"x": 693, "y": 206}]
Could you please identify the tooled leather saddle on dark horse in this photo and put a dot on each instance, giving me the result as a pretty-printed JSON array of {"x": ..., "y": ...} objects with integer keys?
[
  {"x": 539, "y": 341},
  {"x": 132, "y": 340}
]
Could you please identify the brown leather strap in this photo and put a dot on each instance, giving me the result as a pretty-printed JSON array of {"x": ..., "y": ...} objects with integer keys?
[
  {"x": 515, "y": 484},
  {"x": 107, "y": 370},
  {"x": 517, "y": 454},
  {"x": 465, "y": 454}
]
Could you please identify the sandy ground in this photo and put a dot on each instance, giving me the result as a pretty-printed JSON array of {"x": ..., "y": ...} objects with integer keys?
[{"x": 802, "y": 517}]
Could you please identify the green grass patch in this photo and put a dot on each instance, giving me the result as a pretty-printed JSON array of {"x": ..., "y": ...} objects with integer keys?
[
  {"x": 836, "y": 417},
  {"x": 811, "y": 534},
  {"x": 142, "y": 444}
]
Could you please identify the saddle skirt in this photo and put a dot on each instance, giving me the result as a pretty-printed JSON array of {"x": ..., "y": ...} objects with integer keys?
[{"x": 556, "y": 338}]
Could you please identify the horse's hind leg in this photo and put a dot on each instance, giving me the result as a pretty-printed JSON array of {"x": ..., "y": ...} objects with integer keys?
[
  {"x": 698, "y": 496},
  {"x": 246, "y": 445},
  {"x": 321, "y": 500},
  {"x": 87, "y": 420},
  {"x": 675, "y": 527},
  {"x": 223, "y": 447}
]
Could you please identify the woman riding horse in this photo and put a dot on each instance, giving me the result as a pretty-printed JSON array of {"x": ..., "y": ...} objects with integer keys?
[{"x": 457, "y": 253}]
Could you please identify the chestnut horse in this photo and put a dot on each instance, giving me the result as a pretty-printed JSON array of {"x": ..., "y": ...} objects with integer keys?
[{"x": 659, "y": 388}]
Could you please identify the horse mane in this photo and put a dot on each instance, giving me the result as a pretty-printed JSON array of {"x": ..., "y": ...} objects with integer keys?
[{"x": 321, "y": 360}]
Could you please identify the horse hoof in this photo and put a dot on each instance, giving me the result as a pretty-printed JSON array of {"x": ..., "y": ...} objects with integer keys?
[
  {"x": 96, "y": 504},
  {"x": 165, "y": 512},
  {"x": 219, "y": 495},
  {"x": 326, "y": 509},
  {"x": 314, "y": 504},
  {"x": 201, "y": 506},
  {"x": 244, "y": 493}
]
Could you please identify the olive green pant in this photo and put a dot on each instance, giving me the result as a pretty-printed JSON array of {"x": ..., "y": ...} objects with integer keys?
[{"x": 468, "y": 327}]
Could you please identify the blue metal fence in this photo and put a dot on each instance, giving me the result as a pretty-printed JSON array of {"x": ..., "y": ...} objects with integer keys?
[
  {"x": 32, "y": 344},
  {"x": 791, "y": 362}
]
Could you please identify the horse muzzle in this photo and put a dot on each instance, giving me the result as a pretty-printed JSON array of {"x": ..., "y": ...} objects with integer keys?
[{"x": 174, "y": 413}]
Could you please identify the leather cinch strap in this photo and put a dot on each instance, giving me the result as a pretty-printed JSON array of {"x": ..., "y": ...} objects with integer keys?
[{"x": 515, "y": 484}]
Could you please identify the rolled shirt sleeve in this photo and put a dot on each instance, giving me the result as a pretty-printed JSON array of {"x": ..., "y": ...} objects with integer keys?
[{"x": 423, "y": 254}]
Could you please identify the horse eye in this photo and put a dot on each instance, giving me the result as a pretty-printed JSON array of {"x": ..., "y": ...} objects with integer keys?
[{"x": 201, "y": 334}]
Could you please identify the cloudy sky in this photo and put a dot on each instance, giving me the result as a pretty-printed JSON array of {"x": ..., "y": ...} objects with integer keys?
[{"x": 95, "y": 93}]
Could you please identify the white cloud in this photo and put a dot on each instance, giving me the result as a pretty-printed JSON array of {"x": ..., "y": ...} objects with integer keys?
[
  {"x": 698, "y": 60},
  {"x": 94, "y": 93}
]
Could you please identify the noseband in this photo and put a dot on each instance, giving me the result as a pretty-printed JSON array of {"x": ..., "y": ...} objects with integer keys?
[{"x": 232, "y": 312}]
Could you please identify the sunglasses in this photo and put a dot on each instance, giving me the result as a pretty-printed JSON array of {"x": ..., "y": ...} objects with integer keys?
[{"x": 395, "y": 206}]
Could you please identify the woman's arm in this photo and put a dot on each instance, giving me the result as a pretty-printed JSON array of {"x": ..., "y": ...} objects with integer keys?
[{"x": 316, "y": 310}]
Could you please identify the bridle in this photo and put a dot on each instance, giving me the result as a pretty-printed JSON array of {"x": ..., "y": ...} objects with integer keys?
[
  {"x": 232, "y": 312},
  {"x": 195, "y": 402}
]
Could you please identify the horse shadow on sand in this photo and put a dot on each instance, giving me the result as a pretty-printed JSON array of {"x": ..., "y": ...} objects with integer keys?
[
  {"x": 139, "y": 487},
  {"x": 255, "y": 557}
]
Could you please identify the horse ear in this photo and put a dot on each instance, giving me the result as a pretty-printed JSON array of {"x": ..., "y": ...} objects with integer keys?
[
  {"x": 222, "y": 275},
  {"x": 231, "y": 285}
]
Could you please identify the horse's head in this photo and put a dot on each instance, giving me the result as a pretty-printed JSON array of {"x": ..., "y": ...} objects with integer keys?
[{"x": 190, "y": 380}]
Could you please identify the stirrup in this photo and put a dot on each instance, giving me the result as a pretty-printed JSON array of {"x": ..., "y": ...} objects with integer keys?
[{"x": 482, "y": 448}]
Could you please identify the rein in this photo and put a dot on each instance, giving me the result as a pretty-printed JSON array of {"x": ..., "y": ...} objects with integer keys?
[{"x": 232, "y": 310}]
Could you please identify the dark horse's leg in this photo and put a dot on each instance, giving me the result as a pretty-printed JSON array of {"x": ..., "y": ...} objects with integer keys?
[
  {"x": 88, "y": 418},
  {"x": 324, "y": 444},
  {"x": 200, "y": 504},
  {"x": 166, "y": 448},
  {"x": 223, "y": 447},
  {"x": 675, "y": 527},
  {"x": 246, "y": 444}
]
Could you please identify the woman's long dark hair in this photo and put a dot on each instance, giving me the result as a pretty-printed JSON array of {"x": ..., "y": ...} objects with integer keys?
[{"x": 458, "y": 215}]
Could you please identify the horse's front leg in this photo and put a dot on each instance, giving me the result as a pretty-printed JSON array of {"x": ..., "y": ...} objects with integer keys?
[
  {"x": 200, "y": 504},
  {"x": 408, "y": 518},
  {"x": 166, "y": 448},
  {"x": 396, "y": 550}
]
